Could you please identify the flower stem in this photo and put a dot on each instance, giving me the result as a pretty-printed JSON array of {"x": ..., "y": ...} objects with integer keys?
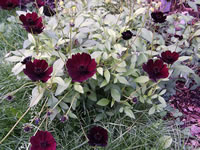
[{"x": 15, "y": 125}]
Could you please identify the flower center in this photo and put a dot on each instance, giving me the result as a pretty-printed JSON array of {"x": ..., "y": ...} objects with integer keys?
[
  {"x": 98, "y": 136},
  {"x": 156, "y": 70},
  {"x": 169, "y": 57},
  {"x": 44, "y": 144},
  {"x": 83, "y": 69},
  {"x": 159, "y": 16},
  {"x": 38, "y": 70},
  {"x": 30, "y": 21}
]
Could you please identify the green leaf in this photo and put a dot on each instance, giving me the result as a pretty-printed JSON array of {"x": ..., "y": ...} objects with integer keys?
[
  {"x": 103, "y": 102},
  {"x": 129, "y": 113},
  {"x": 165, "y": 141},
  {"x": 31, "y": 38},
  {"x": 142, "y": 59},
  {"x": 78, "y": 88},
  {"x": 115, "y": 94},
  {"x": 152, "y": 110},
  {"x": 72, "y": 115},
  {"x": 123, "y": 80},
  {"x": 107, "y": 75},
  {"x": 162, "y": 101},
  {"x": 100, "y": 70},
  {"x": 142, "y": 79},
  {"x": 37, "y": 94},
  {"x": 103, "y": 83},
  {"x": 147, "y": 34}
]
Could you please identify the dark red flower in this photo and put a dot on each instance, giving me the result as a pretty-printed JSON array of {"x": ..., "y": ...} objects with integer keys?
[
  {"x": 48, "y": 11},
  {"x": 38, "y": 70},
  {"x": 156, "y": 69},
  {"x": 158, "y": 17},
  {"x": 98, "y": 136},
  {"x": 9, "y": 4},
  {"x": 32, "y": 23},
  {"x": 127, "y": 35},
  {"x": 169, "y": 57},
  {"x": 81, "y": 67},
  {"x": 43, "y": 140}
]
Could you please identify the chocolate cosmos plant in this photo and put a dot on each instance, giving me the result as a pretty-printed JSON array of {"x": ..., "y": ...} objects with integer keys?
[
  {"x": 32, "y": 23},
  {"x": 38, "y": 70},
  {"x": 156, "y": 69},
  {"x": 169, "y": 57},
  {"x": 9, "y": 4},
  {"x": 81, "y": 67},
  {"x": 43, "y": 140},
  {"x": 98, "y": 136}
]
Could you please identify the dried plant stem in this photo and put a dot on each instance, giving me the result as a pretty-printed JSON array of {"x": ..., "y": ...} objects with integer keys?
[{"x": 15, "y": 125}]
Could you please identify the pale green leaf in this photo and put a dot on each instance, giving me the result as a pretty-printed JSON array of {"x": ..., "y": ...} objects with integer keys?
[
  {"x": 78, "y": 88},
  {"x": 142, "y": 79},
  {"x": 103, "y": 102},
  {"x": 115, "y": 94},
  {"x": 166, "y": 141},
  {"x": 107, "y": 75},
  {"x": 37, "y": 94}
]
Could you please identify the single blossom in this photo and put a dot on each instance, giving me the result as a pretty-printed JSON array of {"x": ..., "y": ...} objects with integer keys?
[
  {"x": 156, "y": 69},
  {"x": 169, "y": 57},
  {"x": 32, "y": 23},
  {"x": 158, "y": 17},
  {"x": 81, "y": 67},
  {"x": 127, "y": 35},
  {"x": 43, "y": 140},
  {"x": 9, "y": 4},
  {"x": 165, "y": 6},
  {"x": 98, "y": 136},
  {"x": 38, "y": 70}
]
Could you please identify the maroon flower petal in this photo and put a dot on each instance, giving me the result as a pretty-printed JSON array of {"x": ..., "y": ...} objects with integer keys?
[
  {"x": 156, "y": 69},
  {"x": 38, "y": 70},
  {"x": 32, "y": 23},
  {"x": 97, "y": 136},
  {"x": 158, "y": 17},
  {"x": 81, "y": 67},
  {"x": 43, "y": 140},
  {"x": 169, "y": 57}
]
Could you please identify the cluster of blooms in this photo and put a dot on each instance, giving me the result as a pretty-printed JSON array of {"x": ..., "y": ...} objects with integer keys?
[
  {"x": 43, "y": 140},
  {"x": 80, "y": 68}
]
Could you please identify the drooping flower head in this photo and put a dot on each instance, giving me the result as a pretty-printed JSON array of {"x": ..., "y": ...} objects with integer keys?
[
  {"x": 127, "y": 35},
  {"x": 158, "y": 17},
  {"x": 98, "y": 136},
  {"x": 32, "y": 23},
  {"x": 169, "y": 57},
  {"x": 9, "y": 4},
  {"x": 43, "y": 140},
  {"x": 38, "y": 70},
  {"x": 156, "y": 69},
  {"x": 81, "y": 67}
]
